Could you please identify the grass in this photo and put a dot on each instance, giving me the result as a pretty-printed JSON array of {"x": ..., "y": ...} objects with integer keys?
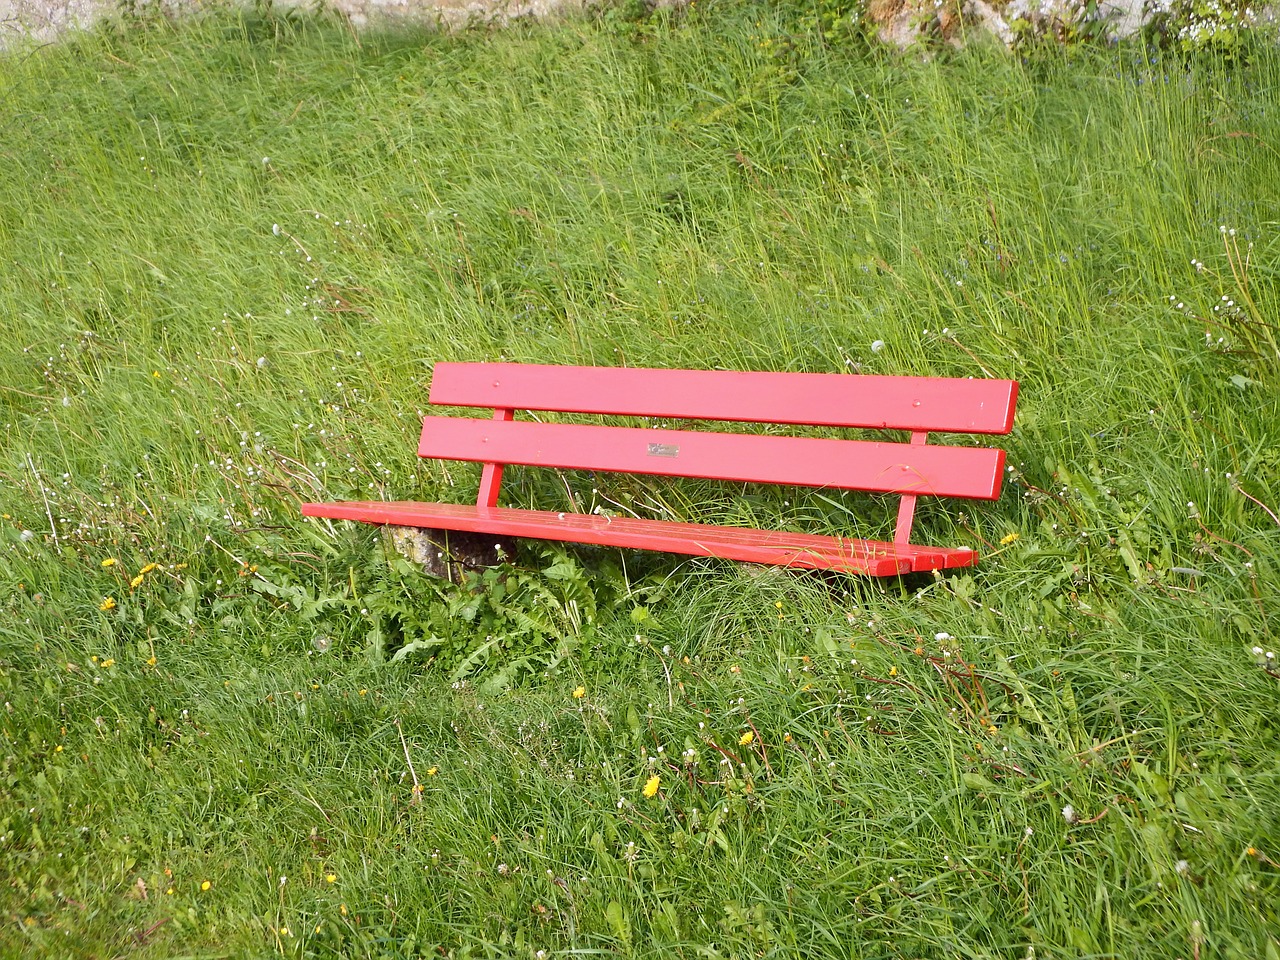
[{"x": 232, "y": 251}]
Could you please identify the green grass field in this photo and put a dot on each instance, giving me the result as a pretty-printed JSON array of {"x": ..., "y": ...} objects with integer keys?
[{"x": 231, "y": 251}]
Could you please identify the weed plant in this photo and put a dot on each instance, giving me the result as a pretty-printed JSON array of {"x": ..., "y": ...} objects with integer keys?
[{"x": 233, "y": 249}]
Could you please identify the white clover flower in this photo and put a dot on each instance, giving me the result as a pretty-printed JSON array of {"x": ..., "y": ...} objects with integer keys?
[{"x": 1069, "y": 813}]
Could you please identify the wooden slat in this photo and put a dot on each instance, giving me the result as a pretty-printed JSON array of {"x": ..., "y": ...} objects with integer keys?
[
  {"x": 816, "y": 399},
  {"x": 874, "y": 558},
  {"x": 800, "y": 461}
]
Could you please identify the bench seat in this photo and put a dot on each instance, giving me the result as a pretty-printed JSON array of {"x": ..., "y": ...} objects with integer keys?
[{"x": 777, "y": 547}]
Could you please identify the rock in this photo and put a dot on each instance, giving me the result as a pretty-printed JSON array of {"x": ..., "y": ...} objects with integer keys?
[{"x": 448, "y": 554}]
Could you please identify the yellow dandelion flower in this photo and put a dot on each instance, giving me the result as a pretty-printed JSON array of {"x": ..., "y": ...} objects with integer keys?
[
  {"x": 58, "y": 748},
  {"x": 151, "y": 660},
  {"x": 136, "y": 582},
  {"x": 1009, "y": 538},
  {"x": 579, "y": 692},
  {"x": 331, "y": 877},
  {"x": 432, "y": 771},
  {"x": 342, "y": 909},
  {"x": 893, "y": 671},
  {"x": 206, "y": 885},
  {"x": 284, "y": 931},
  {"x": 109, "y": 662},
  {"x": 746, "y": 738},
  {"x": 148, "y": 568},
  {"x": 109, "y": 562},
  {"x": 651, "y": 786},
  {"x": 108, "y": 603}
]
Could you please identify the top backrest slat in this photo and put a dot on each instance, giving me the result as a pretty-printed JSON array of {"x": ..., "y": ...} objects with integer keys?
[{"x": 815, "y": 399}]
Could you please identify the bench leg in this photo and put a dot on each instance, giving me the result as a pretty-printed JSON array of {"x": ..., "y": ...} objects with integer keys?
[{"x": 448, "y": 554}]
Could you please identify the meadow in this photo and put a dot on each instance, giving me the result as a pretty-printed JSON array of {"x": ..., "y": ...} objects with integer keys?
[{"x": 231, "y": 250}]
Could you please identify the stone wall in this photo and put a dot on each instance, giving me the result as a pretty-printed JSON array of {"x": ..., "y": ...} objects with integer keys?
[
  {"x": 44, "y": 20},
  {"x": 900, "y": 23}
]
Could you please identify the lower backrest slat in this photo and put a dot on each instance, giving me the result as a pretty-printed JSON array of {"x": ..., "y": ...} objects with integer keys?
[{"x": 800, "y": 461}]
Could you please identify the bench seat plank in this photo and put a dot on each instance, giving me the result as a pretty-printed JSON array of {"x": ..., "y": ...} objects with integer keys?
[
  {"x": 797, "y": 461},
  {"x": 873, "y": 558}
]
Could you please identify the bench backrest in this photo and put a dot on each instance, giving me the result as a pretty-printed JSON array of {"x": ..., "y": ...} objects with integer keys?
[{"x": 920, "y": 405}]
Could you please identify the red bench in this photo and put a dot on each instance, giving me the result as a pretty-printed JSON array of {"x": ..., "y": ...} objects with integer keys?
[{"x": 918, "y": 405}]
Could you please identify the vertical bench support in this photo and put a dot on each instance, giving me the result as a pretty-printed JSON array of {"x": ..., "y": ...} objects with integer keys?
[
  {"x": 491, "y": 473},
  {"x": 907, "y": 505}
]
